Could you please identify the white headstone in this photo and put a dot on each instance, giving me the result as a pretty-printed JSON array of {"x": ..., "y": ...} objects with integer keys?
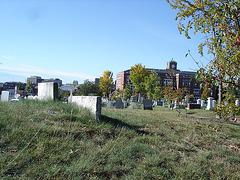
[
  {"x": 5, "y": 96},
  {"x": 203, "y": 104},
  {"x": 93, "y": 103},
  {"x": 199, "y": 101},
  {"x": 237, "y": 102},
  {"x": 47, "y": 91},
  {"x": 163, "y": 103},
  {"x": 16, "y": 90},
  {"x": 210, "y": 103},
  {"x": 139, "y": 97}
]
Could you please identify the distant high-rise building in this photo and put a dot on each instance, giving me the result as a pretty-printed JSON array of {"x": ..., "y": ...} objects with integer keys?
[
  {"x": 34, "y": 79},
  {"x": 97, "y": 80}
]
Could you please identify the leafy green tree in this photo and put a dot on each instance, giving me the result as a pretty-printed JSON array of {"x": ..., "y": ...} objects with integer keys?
[
  {"x": 219, "y": 20},
  {"x": 29, "y": 87},
  {"x": 128, "y": 91},
  {"x": 106, "y": 83},
  {"x": 153, "y": 86},
  {"x": 88, "y": 87},
  {"x": 138, "y": 73},
  {"x": 20, "y": 87},
  {"x": 118, "y": 94}
]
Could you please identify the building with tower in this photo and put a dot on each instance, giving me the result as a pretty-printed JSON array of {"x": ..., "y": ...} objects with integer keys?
[{"x": 180, "y": 79}]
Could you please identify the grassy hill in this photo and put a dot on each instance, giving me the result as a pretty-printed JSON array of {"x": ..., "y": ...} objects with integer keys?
[{"x": 52, "y": 140}]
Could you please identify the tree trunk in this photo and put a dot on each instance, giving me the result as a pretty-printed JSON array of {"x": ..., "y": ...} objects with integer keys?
[{"x": 219, "y": 98}]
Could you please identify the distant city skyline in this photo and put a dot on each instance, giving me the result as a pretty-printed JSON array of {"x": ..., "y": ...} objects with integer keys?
[{"x": 78, "y": 40}]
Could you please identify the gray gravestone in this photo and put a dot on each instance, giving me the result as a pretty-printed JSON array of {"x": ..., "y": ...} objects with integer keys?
[
  {"x": 124, "y": 104},
  {"x": 214, "y": 103},
  {"x": 110, "y": 104},
  {"x": 163, "y": 103},
  {"x": 119, "y": 104},
  {"x": 203, "y": 104},
  {"x": 5, "y": 96},
  {"x": 131, "y": 106},
  {"x": 137, "y": 106},
  {"x": 147, "y": 104}
]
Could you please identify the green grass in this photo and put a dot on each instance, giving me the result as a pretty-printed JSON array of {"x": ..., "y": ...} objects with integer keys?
[{"x": 52, "y": 140}]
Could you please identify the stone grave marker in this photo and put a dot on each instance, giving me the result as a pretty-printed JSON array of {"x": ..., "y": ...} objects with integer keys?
[
  {"x": 17, "y": 97},
  {"x": 124, "y": 104},
  {"x": 93, "y": 103},
  {"x": 163, "y": 103},
  {"x": 47, "y": 91},
  {"x": 203, "y": 105},
  {"x": 131, "y": 106},
  {"x": 137, "y": 106},
  {"x": 199, "y": 101},
  {"x": 119, "y": 104},
  {"x": 237, "y": 102},
  {"x": 147, "y": 104},
  {"x": 110, "y": 104},
  {"x": 214, "y": 103},
  {"x": 193, "y": 106},
  {"x": 5, "y": 96},
  {"x": 210, "y": 104}
]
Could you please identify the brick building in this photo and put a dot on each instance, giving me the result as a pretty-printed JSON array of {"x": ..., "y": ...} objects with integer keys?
[{"x": 179, "y": 78}]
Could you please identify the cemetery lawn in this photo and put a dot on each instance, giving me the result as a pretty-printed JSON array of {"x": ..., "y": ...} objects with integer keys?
[{"x": 52, "y": 140}]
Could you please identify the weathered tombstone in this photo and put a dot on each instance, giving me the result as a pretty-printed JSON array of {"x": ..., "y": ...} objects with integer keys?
[
  {"x": 93, "y": 103},
  {"x": 104, "y": 101},
  {"x": 193, "y": 106},
  {"x": 5, "y": 96},
  {"x": 214, "y": 103},
  {"x": 203, "y": 105},
  {"x": 124, "y": 104},
  {"x": 199, "y": 101},
  {"x": 237, "y": 102},
  {"x": 147, "y": 104},
  {"x": 119, "y": 104},
  {"x": 11, "y": 93},
  {"x": 163, "y": 103},
  {"x": 17, "y": 97},
  {"x": 210, "y": 104},
  {"x": 47, "y": 91},
  {"x": 16, "y": 91},
  {"x": 137, "y": 106},
  {"x": 139, "y": 97},
  {"x": 131, "y": 106},
  {"x": 159, "y": 103},
  {"x": 110, "y": 104}
]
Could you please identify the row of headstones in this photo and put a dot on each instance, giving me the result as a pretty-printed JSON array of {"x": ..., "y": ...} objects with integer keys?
[
  {"x": 5, "y": 97},
  {"x": 46, "y": 91},
  {"x": 211, "y": 103},
  {"x": 119, "y": 104}
]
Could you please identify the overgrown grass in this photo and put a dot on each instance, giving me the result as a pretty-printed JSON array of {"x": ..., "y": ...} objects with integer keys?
[{"x": 51, "y": 140}]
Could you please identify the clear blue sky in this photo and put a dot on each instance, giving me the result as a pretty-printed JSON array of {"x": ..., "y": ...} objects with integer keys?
[{"x": 80, "y": 39}]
